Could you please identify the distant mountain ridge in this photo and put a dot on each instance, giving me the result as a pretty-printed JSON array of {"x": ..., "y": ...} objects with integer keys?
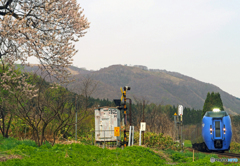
[{"x": 158, "y": 86}]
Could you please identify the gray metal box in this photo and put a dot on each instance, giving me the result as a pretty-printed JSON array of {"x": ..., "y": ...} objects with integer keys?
[{"x": 105, "y": 121}]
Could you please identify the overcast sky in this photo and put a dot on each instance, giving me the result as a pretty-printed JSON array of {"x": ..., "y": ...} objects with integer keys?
[{"x": 199, "y": 38}]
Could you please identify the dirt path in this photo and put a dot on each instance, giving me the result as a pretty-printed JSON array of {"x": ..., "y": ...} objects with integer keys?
[{"x": 9, "y": 157}]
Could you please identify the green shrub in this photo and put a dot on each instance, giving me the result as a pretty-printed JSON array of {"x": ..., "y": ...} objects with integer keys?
[
  {"x": 159, "y": 141},
  {"x": 235, "y": 147},
  {"x": 187, "y": 144}
]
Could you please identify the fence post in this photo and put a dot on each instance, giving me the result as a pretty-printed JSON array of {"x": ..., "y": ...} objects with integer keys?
[{"x": 193, "y": 155}]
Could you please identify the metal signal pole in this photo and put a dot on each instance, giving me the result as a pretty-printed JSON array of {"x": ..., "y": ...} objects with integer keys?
[
  {"x": 125, "y": 113},
  {"x": 175, "y": 124}
]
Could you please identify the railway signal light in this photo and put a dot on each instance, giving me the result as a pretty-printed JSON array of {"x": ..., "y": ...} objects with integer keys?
[
  {"x": 117, "y": 102},
  {"x": 126, "y": 88}
]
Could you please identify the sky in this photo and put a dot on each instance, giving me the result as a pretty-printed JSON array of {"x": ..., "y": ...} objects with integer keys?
[{"x": 199, "y": 38}]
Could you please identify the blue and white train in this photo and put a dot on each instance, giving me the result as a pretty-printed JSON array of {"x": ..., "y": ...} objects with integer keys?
[{"x": 214, "y": 133}]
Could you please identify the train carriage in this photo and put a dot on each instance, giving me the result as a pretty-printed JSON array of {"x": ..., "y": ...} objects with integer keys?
[{"x": 214, "y": 133}]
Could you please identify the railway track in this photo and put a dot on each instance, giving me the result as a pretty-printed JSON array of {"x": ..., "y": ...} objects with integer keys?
[
  {"x": 234, "y": 155},
  {"x": 225, "y": 154}
]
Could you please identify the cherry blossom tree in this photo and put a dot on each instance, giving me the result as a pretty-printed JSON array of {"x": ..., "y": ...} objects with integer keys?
[
  {"x": 45, "y": 29},
  {"x": 13, "y": 85}
]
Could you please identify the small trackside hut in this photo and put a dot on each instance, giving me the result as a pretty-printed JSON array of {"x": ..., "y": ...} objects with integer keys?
[{"x": 106, "y": 118}]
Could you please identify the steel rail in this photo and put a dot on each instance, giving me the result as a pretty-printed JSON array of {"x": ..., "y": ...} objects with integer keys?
[{"x": 218, "y": 153}]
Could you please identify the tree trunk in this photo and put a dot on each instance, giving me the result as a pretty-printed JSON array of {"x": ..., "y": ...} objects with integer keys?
[{"x": 8, "y": 126}]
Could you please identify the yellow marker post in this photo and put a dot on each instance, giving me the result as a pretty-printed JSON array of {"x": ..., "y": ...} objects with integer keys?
[{"x": 193, "y": 155}]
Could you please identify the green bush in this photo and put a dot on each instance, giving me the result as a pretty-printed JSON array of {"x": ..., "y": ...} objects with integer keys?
[
  {"x": 159, "y": 141},
  {"x": 235, "y": 147},
  {"x": 187, "y": 144}
]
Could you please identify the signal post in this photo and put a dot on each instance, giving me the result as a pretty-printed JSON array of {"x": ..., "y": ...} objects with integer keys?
[
  {"x": 125, "y": 111},
  {"x": 180, "y": 113}
]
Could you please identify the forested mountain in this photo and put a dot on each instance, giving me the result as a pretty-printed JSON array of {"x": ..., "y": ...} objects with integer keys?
[{"x": 157, "y": 86}]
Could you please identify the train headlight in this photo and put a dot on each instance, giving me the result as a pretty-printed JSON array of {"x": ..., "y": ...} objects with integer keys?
[
  {"x": 224, "y": 130},
  {"x": 210, "y": 129},
  {"x": 216, "y": 110}
]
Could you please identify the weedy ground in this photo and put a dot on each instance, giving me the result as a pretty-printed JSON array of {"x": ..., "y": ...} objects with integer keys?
[{"x": 15, "y": 152}]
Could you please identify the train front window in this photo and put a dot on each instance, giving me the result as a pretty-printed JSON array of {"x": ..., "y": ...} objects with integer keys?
[{"x": 216, "y": 114}]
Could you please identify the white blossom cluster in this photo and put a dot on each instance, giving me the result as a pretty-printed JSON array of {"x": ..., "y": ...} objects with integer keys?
[
  {"x": 45, "y": 29},
  {"x": 16, "y": 84}
]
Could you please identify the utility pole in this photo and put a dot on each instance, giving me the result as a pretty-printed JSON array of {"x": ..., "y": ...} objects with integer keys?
[
  {"x": 130, "y": 111},
  {"x": 181, "y": 133},
  {"x": 76, "y": 118},
  {"x": 131, "y": 129}
]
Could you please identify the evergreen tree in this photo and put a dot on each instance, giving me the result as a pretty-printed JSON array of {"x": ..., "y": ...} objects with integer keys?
[
  {"x": 206, "y": 106},
  {"x": 218, "y": 100},
  {"x": 212, "y": 101}
]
